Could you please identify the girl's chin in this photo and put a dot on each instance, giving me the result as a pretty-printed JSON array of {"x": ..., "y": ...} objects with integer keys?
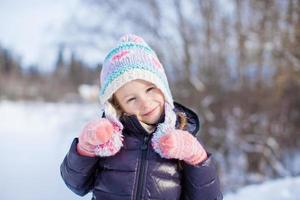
[
  {"x": 150, "y": 122},
  {"x": 153, "y": 118}
]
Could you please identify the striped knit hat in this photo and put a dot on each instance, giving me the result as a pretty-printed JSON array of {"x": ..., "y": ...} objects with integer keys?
[{"x": 133, "y": 59}]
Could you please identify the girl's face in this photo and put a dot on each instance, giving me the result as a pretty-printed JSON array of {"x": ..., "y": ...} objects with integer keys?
[{"x": 142, "y": 99}]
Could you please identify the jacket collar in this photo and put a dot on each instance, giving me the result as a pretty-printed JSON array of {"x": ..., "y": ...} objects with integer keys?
[{"x": 193, "y": 123}]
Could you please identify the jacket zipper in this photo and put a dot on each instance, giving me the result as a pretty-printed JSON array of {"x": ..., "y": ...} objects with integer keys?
[{"x": 142, "y": 168}]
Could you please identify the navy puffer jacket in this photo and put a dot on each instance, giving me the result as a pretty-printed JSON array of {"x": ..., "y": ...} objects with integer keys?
[{"x": 137, "y": 172}]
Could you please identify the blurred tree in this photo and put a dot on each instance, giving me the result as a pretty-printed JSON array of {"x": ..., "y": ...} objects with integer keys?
[
  {"x": 8, "y": 63},
  {"x": 60, "y": 66},
  {"x": 76, "y": 70}
]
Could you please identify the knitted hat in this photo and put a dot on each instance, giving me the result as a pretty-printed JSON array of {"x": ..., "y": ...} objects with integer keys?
[{"x": 133, "y": 59}]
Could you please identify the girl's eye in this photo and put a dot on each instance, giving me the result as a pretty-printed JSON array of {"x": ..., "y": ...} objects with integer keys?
[
  {"x": 131, "y": 99},
  {"x": 150, "y": 88}
]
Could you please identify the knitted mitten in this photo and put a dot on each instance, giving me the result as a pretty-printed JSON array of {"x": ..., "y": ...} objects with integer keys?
[
  {"x": 94, "y": 133},
  {"x": 182, "y": 145}
]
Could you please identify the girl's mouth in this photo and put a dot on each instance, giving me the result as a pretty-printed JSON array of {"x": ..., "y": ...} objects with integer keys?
[{"x": 150, "y": 112}]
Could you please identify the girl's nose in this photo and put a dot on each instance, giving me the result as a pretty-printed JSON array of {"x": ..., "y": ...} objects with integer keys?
[{"x": 144, "y": 101}]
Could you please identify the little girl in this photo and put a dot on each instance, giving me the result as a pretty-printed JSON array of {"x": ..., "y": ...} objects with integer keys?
[{"x": 144, "y": 146}]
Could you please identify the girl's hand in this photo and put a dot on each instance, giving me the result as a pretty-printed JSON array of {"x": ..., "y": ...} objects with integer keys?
[
  {"x": 182, "y": 145},
  {"x": 94, "y": 133}
]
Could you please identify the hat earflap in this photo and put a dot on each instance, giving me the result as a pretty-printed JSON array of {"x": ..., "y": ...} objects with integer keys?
[{"x": 162, "y": 128}]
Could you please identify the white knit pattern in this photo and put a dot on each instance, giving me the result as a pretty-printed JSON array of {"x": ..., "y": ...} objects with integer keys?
[
  {"x": 134, "y": 74},
  {"x": 163, "y": 128},
  {"x": 111, "y": 147}
]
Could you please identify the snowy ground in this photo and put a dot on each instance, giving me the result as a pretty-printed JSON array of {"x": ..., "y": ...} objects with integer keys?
[
  {"x": 36, "y": 136},
  {"x": 284, "y": 189}
]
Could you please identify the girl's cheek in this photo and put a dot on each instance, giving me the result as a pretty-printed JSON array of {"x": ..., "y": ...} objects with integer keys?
[{"x": 132, "y": 108}]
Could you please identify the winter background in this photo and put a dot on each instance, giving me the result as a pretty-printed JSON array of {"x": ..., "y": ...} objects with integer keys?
[{"x": 244, "y": 76}]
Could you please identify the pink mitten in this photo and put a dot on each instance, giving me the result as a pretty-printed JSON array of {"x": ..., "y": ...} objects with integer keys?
[
  {"x": 182, "y": 145},
  {"x": 94, "y": 133}
]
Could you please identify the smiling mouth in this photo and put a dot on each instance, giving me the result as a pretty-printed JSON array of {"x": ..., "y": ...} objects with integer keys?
[{"x": 150, "y": 112}]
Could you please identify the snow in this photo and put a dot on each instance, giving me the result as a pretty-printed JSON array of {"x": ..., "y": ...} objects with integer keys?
[
  {"x": 34, "y": 140},
  {"x": 35, "y": 137},
  {"x": 284, "y": 189}
]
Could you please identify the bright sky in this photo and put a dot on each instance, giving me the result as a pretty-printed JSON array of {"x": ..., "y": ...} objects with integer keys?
[{"x": 33, "y": 28}]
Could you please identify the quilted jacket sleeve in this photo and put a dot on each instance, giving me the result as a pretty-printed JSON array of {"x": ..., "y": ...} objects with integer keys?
[
  {"x": 78, "y": 172},
  {"x": 201, "y": 182}
]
